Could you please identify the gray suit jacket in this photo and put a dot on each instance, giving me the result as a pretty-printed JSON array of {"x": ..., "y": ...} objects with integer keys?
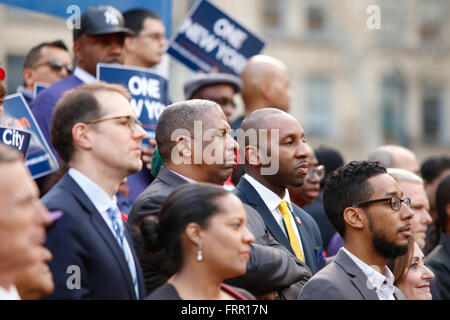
[
  {"x": 268, "y": 260},
  {"x": 342, "y": 279}
]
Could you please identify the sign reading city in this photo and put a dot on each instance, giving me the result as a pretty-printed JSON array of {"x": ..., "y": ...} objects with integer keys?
[
  {"x": 18, "y": 139},
  {"x": 210, "y": 38},
  {"x": 17, "y": 117},
  {"x": 148, "y": 90}
]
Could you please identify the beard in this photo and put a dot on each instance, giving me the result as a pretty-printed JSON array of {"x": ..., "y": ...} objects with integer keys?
[{"x": 383, "y": 246}]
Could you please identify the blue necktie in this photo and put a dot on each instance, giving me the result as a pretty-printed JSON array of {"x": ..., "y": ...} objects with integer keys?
[{"x": 116, "y": 219}]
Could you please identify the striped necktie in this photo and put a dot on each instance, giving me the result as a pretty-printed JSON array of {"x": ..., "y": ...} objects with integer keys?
[
  {"x": 295, "y": 244},
  {"x": 116, "y": 219}
]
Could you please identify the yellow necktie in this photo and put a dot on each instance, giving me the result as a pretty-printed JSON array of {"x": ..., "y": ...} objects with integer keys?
[{"x": 295, "y": 244}]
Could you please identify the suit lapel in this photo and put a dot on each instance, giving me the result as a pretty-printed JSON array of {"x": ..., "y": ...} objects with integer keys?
[
  {"x": 256, "y": 202},
  {"x": 358, "y": 278},
  {"x": 170, "y": 178},
  {"x": 306, "y": 243},
  {"x": 103, "y": 229}
]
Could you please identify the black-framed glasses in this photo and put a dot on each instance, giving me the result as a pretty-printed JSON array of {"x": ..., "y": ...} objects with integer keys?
[
  {"x": 56, "y": 65},
  {"x": 318, "y": 170},
  {"x": 395, "y": 202},
  {"x": 131, "y": 121}
]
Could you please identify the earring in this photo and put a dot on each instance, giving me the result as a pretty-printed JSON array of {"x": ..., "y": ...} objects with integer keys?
[{"x": 199, "y": 252}]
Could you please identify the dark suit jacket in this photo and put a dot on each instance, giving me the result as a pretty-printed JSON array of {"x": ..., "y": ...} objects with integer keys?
[
  {"x": 81, "y": 238},
  {"x": 308, "y": 230},
  {"x": 278, "y": 268},
  {"x": 342, "y": 279},
  {"x": 439, "y": 262}
]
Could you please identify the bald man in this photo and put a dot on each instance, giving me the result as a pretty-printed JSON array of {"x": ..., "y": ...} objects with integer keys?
[
  {"x": 393, "y": 156},
  {"x": 272, "y": 163},
  {"x": 265, "y": 85}
]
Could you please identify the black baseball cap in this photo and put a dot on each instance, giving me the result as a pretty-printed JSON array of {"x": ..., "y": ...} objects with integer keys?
[{"x": 101, "y": 20}]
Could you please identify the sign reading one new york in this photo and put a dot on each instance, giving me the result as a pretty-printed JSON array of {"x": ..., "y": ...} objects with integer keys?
[{"x": 210, "y": 38}]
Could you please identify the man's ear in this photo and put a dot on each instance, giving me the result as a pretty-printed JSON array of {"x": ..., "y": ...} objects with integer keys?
[
  {"x": 81, "y": 137},
  {"x": 28, "y": 77},
  {"x": 265, "y": 89},
  {"x": 354, "y": 217},
  {"x": 253, "y": 156},
  {"x": 129, "y": 44},
  {"x": 184, "y": 146}
]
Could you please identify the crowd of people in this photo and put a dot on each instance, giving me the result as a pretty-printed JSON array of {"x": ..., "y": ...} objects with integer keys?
[{"x": 212, "y": 209}]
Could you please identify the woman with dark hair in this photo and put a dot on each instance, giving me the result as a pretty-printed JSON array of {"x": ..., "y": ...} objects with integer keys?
[
  {"x": 202, "y": 231},
  {"x": 412, "y": 277}
]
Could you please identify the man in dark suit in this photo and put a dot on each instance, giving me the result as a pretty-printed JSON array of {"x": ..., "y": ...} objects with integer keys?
[
  {"x": 188, "y": 158},
  {"x": 272, "y": 163},
  {"x": 97, "y": 134},
  {"x": 365, "y": 205},
  {"x": 439, "y": 259}
]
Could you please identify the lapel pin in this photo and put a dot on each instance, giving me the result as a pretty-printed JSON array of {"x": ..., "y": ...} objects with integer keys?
[{"x": 299, "y": 222}]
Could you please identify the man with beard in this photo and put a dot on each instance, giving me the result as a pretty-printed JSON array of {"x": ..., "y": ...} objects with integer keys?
[
  {"x": 367, "y": 208},
  {"x": 275, "y": 160}
]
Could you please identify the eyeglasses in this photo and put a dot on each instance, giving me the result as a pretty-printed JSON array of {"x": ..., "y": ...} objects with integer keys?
[
  {"x": 395, "y": 202},
  {"x": 131, "y": 122},
  {"x": 55, "y": 65},
  {"x": 318, "y": 170},
  {"x": 153, "y": 36}
]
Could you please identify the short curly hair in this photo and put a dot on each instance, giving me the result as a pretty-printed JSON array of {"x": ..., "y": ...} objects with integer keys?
[{"x": 346, "y": 186}]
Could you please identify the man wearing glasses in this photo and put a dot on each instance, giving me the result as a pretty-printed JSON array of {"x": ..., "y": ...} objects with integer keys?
[
  {"x": 97, "y": 134},
  {"x": 308, "y": 192},
  {"x": 367, "y": 208},
  {"x": 46, "y": 63},
  {"x": 147, "y": 45}
]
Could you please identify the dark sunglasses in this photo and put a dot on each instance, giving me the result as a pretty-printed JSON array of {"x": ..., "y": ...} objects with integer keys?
[{"x": 56, "y": 65}]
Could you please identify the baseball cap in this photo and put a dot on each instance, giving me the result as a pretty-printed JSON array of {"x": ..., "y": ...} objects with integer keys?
[
  {"x": 101, "y": 20},
  {"x": 206, "y": 79}
]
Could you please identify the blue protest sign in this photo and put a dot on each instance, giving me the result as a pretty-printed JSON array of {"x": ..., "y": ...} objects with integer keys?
[
  {"x": 18, "y": 139},
  {"x": 40, "y": 159},
  {"x": 210, "y": 38},
  {"x": 148, "y": 90},
  {"x": 38, "y": 87}
]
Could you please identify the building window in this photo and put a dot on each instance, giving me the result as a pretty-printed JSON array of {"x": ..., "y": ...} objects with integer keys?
[
  {"x": 274, "y": 17},
  {"x": 319, "y": 113},
  {"x": 14, "y": 68},
  {"x": 316, "y": 21},
  {"x": 431, "y": 113},
  {"x": 393, "y": 108},
  {"x": 432, "y": 16}
]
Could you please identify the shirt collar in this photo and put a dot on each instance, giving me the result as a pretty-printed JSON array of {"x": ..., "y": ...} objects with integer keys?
[
  {"x": 376, "y": 278},
  {"x": 84, "y": 76},
  {"x": 270, "y": 198},
  {"x": 185, "y": 178},
  {"x": 97, "y": 195}
]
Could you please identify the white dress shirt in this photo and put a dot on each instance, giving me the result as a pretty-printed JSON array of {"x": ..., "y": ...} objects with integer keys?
[
  {"x": 102, "y": 203},
  {"x": 383, "y": 284},
  {"x": 84, "y": 76},
  {"x": 272, "y": 201},
  {"x": 10, "y": 294}
]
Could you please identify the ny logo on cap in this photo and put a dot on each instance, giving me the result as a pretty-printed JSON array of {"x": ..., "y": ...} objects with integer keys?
[{"x": 111, "y": 17}]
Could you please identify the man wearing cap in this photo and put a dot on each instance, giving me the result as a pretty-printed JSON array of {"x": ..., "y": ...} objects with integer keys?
[
  {"x": 100, "y": 38},
  {"x": 217, "y": 87}
]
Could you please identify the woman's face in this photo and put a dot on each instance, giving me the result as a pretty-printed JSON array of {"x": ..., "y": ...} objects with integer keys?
[
  {"x": 226, "y": 239},
  {"x": 415, "y": 284}
]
